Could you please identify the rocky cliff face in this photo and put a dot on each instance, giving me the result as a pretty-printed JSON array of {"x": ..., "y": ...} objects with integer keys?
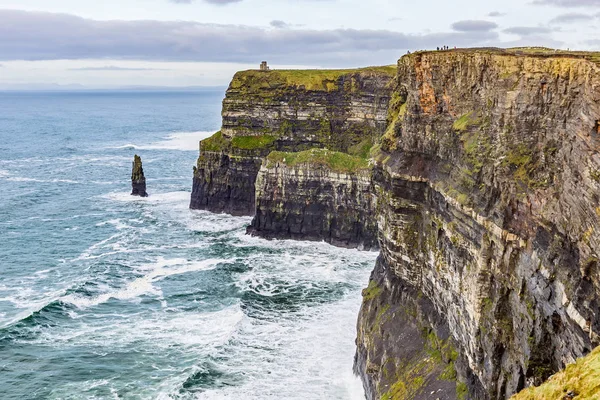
[
  {"x": 309, "y": 196},
  {"x": 286, "y": 111},
  {"x": 488, "y": 191},
  {"x": 477, "y": 171}
]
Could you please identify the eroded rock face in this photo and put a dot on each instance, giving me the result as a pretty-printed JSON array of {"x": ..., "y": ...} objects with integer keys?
[
  {"x": 224, "y": 183},
  {"x": 285, "y": 111},
  {"x": 491, "y": 216},
  {"x": 483, "y": 192},
  {"x": 138, "y": 180},
  {"x": 314, "y": 202}
]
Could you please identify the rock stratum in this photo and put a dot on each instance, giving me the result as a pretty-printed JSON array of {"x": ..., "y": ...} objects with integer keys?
[{"x": 477, "y": 175}]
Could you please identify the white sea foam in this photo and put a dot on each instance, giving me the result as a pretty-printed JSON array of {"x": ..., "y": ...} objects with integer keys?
[
  {"x": 144, "y": 285},
  {"x": 117, "y": 223},
  {"x": 302, "y": 356},
  {"x": 170, "y": 197},
  {"x": 28, "y": 301},
  {"x": 204, "y": 221},
  {"x": 183, "y": 141},
  {"x": 25, "y": 179}
]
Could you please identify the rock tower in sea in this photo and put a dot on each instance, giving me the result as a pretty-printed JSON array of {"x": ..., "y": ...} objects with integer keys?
[{"x": 138, "y": 180}]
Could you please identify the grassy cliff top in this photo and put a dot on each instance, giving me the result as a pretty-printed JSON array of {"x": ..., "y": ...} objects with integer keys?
[
  {"x": 541, "y": 52},
  {"x": 336, "y": 161},
  {"x": 581, "y": 379},
  {"x": 309, "y": 79}
]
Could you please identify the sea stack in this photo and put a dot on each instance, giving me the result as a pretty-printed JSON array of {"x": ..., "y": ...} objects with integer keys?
[{"x": 138, "y": 180}]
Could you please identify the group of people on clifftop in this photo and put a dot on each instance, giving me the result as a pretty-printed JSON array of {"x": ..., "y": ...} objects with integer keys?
[{"x": 443, "y": 48}]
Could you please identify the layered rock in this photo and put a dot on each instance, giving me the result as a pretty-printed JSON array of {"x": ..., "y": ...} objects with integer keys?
[
  {"x": 479, "y": 174},
  {"x": 266, "y": 111},
  {"x": 488, "y": 192},
  {"x": 316, "y": 195},
  {"x": 138, "y": 180}
]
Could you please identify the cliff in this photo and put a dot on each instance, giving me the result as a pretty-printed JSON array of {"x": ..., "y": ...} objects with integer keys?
[
  {"x": 476, "y": 173},
  {"x": 265, "y": 111},
  {"x": 489, "y": 228},
  {"x": 316, "y": 195}
]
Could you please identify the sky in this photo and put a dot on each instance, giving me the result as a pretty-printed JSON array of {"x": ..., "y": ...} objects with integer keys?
[{"x": 124, "y": 43}]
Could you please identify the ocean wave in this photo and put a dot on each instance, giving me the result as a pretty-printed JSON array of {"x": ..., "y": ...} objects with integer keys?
[
  {"x": 24, "y": 179},
  {"x": 144, "y": 285},
  {"x": 204, "y": 221},
  {"x": 182, "y": 141},
  {"x": 169, "y": 197},
  {"x": 272, "y": 357},
  {"x": 35, "y": 314}
]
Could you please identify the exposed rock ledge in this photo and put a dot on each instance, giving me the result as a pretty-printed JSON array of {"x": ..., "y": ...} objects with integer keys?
[{"x": 314, "y": 201}]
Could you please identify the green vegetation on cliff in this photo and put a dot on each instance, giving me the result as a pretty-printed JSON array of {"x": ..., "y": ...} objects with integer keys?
[
  {"x": 580, "y": 380},
  {"x": 310, "y": 79},
  {"x": 437, "y": 363},
  {"x": 362, "y": 149},
  {"x": 217, "y": 143},
  {"x": 214, "y": 143},
  {"x": 396, "y": 112},
  {"x": 464, "y": 122},
  {"x": 336, "y": 161},
  {"x": 252, "y": 142}
]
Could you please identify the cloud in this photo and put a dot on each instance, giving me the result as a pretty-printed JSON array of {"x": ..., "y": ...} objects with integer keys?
[
  {"x": 279, "y": 24},
  {"x": 115, "y": 68},
  {"x": 571, "y": 18},
  {"x": 474, "y": 26},
  {"x": 63, "y": 36},
  {"x": 496, "y": 14},
  {"x": 568, "y": 3},
  {"x": 528, "y": 30}
]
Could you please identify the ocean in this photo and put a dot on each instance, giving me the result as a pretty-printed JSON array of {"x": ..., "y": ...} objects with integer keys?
[{"x": 107, "y": 296}]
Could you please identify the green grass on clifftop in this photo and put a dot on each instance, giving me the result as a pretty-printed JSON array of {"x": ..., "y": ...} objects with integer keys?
[
  {"x": 309, "y": 79},
  {"x": 581, "y": 378},
  {"x": 336, "y": 161}
]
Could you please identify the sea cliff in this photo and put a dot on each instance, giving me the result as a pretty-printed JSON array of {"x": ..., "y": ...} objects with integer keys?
[
  {"x": 476, "y": 173},
  {"x": 265, "y": 111},
  {"x": 489, "y": 226}
]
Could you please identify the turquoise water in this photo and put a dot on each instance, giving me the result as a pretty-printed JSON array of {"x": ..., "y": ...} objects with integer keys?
[{"x": 106, "y": 296}]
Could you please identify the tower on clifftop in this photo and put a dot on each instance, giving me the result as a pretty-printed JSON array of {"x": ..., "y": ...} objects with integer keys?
[{"x": 264, "y": 66}]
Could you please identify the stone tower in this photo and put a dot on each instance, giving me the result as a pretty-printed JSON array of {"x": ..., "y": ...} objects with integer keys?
[{"x": 264, "y": 66}]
